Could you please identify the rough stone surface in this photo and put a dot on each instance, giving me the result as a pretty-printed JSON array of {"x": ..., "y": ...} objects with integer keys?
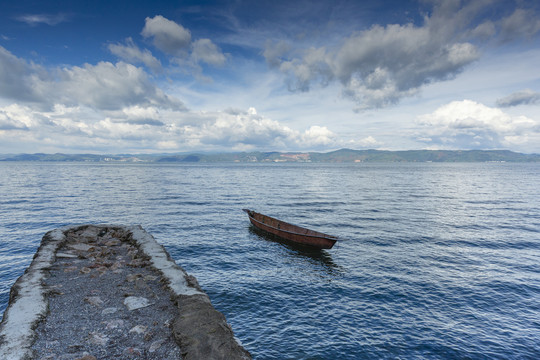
[
  {"x": 111, "y": 292},
  {"x": 82, "y": 288},
  {"x": 203, "y": 333},
  {"x": 27, "y": 302}
]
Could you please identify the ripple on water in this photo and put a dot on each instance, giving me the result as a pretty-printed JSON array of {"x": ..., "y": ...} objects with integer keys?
[{"x": 440, "y": 260}]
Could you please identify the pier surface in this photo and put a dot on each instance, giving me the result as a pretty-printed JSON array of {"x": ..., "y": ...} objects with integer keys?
[{"x": 106, "y": 291}]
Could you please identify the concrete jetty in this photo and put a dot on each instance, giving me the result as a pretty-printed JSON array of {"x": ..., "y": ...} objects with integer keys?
[{"x": 111, "y": 291}]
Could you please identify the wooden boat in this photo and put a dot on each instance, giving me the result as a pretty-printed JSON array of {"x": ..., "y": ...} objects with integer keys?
[{"x": 291, "y": 232}]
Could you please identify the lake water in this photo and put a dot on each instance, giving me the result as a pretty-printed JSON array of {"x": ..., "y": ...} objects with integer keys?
[{"x": 439, "y": 260}]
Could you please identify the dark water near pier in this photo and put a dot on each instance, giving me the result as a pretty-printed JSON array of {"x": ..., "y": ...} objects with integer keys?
[{"x": 440, "y": 260}]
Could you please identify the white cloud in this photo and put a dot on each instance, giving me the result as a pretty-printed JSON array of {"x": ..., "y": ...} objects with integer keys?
[
  {"x": 108, "y": 86},
  {"x": 317, "y": 137},
  {"x": 49, "y": 19},
  {"x": 381, "y": 65},
  {"x": 206, "y": 51},
  {"x": 175, "y": 40},
  {"x": 315, "y": 66},
  {"x": 17, "y": 77},
  {"x": 369, "y": 142},
  {"x": 11, "y": 119},
  {"x": 274, "y": 51},
  {"x": 137, "y": 114},
  {"x": 133, "y": 54},
  {"x": 104, "y": 86},
  {"x": 61, "y": 127},
  {"x": 470, "y": 125},
  {"x": 84, "y": 108},
  {"x": 246, "y": 130},
  {"x": 525, "y": 97},
  {"x": 522, "y": 23},
  {"x": 137, "y": 128},
  {"x": 167, "y": 36},
  {"x": 242, "y": 129}
]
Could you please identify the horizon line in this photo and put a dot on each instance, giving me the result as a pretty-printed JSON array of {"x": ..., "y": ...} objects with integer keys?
[{"x": 254, "y": 151}]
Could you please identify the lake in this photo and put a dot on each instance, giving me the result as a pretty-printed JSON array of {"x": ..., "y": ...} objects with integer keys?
[{"x": 437, "y": 260}]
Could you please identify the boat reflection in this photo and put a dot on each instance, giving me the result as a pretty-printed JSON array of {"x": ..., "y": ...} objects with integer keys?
[{"x": 314, "y": 255}]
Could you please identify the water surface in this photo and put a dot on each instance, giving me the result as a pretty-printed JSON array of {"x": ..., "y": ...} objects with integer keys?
[{"x": 438, "y": 261}]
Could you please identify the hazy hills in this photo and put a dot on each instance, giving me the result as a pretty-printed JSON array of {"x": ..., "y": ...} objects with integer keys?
[{"x": 339, "y": 156}]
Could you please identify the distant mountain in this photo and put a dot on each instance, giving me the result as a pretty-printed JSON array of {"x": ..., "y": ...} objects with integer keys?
[
  {"x": 184, "y": 158},
  {"x": 347, "y": 155},
  {"x": 52, "y": 157},
  {"x": 338, "y": 156}
]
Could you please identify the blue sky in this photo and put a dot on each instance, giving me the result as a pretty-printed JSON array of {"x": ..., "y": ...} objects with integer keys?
[{"x": 175, "y": 76}]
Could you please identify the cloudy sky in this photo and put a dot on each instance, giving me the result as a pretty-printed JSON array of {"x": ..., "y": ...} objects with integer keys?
[{"x": 173, "y": 76}]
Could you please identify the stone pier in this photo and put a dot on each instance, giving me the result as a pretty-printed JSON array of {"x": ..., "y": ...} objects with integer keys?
[{"x": 107, "y": 291}]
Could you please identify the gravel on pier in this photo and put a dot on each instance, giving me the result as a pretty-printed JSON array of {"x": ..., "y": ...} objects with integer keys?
[{"x": 105, "y": 291}]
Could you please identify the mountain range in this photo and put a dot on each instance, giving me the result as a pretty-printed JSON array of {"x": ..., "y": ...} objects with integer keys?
[{"x": 338, "y": 156}]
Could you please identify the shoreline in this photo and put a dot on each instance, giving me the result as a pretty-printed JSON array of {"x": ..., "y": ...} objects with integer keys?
[{"x": 120, "y": 292}]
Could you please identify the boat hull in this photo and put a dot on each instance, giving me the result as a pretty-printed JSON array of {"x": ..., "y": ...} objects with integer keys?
[{"x": 291, "y": 232}]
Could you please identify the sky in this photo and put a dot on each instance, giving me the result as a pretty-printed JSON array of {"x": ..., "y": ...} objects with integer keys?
[{"x": 112, "y": 77}]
